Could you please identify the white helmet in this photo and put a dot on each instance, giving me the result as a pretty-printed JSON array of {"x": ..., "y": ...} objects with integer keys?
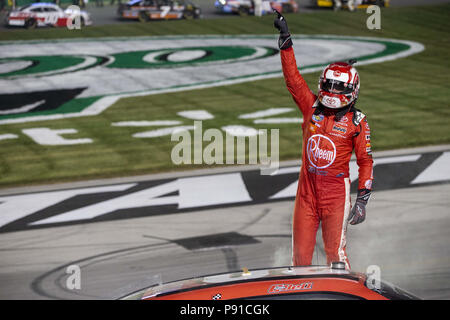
[{"x": 338, "y": 85}]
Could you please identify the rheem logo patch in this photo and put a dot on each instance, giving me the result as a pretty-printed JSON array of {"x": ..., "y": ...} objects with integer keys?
[{"x": 321, "y": 151}]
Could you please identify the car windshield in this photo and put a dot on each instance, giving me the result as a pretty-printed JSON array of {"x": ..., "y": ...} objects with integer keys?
[
  {"x": 134, "y": 2},
  {"x": 24, "y": 7}
]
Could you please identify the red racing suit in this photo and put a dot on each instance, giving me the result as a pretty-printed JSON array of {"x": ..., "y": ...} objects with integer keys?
[{"x": 323, "y": 193}]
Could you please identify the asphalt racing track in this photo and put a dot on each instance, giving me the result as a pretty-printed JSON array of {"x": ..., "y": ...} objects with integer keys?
[{"x": 405, "y": 234}]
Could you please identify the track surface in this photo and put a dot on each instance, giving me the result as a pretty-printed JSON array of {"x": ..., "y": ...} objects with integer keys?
[{"x": 406, "y": 235}]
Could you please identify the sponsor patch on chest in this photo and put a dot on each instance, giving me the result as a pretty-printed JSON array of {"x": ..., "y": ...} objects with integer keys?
[
  {"x": 321, "y": 151},
  {"x": 340, "y": 129},
  {"x": 317, "y": 117}
]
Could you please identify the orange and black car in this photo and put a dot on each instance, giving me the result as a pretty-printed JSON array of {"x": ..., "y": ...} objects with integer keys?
[{"x": 284, "y": 283}]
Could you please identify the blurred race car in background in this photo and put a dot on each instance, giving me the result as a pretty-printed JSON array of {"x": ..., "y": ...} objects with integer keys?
[
  {"x": 286, "y": 283},
  {"x": 247, "y": 7},
  {"x": 364, "y": 3},
  {"x": 42, "y": 14},
  {"x": 146, "y": 10}
]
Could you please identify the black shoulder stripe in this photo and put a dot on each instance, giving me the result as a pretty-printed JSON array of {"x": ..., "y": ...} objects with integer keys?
[{"x": 358, "y": 116}]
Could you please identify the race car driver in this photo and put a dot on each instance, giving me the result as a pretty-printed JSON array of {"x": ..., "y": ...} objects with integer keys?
[{"x": 332, "y": 128}]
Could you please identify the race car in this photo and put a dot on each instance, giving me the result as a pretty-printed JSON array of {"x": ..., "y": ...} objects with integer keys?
[
  {"x": 247, "y": 7},
  {"x": 364, "y": 4},
  {"x": 43, "y": 14},
  {"x": 146, "y": 10},
  {"x": 288, "y": 283}
]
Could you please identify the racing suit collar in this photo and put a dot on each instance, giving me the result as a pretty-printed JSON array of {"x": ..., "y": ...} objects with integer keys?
[{"x": 338, "y": 113}]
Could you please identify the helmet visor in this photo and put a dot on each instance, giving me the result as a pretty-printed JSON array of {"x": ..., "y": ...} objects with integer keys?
[{"x": 335, "y": 86}]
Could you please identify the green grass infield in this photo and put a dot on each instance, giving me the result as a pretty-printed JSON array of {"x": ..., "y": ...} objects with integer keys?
[{"x": 406, "y": 100}]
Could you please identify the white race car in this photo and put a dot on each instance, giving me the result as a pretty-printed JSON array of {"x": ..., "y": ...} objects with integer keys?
[
  {"x": 44, "y": 14},
  {"x": 249, "y": 7}
]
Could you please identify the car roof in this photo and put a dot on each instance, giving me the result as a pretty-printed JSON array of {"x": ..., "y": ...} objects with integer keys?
[
  {"x": 257, "y": 275},
  {"x": 131, "y": 2},
  {"x": 43, "y": 4}
]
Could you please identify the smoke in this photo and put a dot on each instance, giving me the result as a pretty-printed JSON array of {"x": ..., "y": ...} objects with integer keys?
[{"x": 282, "y": 256}]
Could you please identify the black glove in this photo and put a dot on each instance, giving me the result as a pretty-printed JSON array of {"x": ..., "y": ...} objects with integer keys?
[
  {"x": 284, "y": 41},
  {"x": 358, "y": 213}
]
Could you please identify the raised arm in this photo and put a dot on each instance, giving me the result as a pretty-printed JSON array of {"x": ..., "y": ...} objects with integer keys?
[{"x": 295, "y": 83}]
